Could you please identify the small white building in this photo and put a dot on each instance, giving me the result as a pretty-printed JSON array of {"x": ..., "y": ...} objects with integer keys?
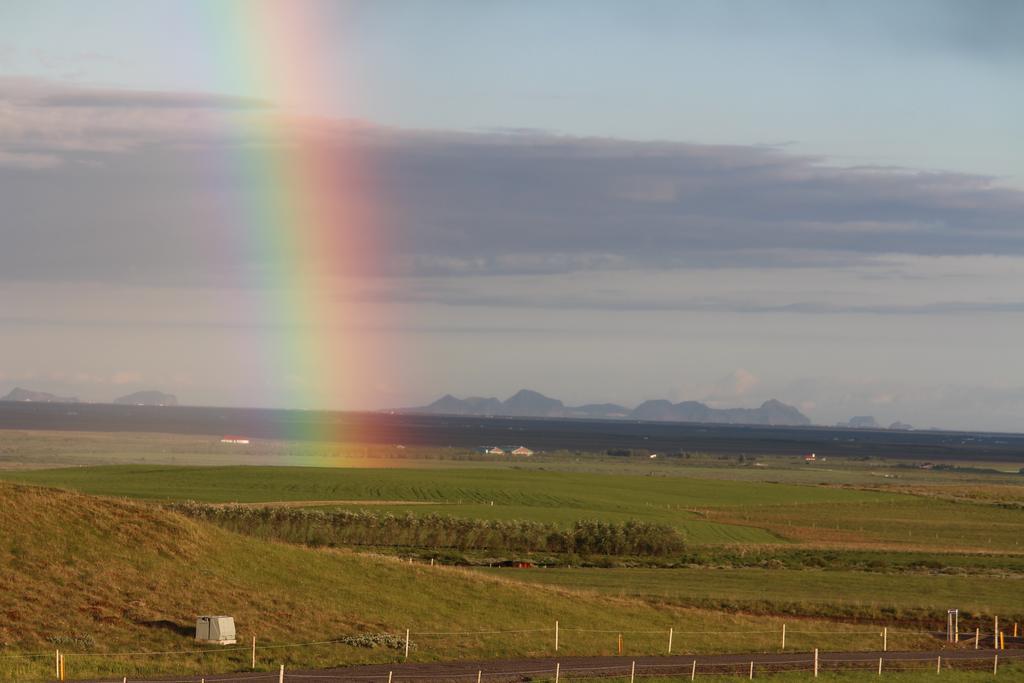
[
  {"x": 219, "y": 630},
  {"x": 494, "y": 450},
  {"x": 243, "y": 440},
  {"x": 522, "y": 450}
]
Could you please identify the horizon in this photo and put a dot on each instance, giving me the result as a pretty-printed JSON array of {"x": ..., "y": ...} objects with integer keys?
[
  {"x": 882, "y": 425},
  {"x": 253, "y": 202}
]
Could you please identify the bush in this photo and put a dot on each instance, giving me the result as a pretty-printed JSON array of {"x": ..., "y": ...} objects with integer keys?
[{"x": 362, "y": 528}]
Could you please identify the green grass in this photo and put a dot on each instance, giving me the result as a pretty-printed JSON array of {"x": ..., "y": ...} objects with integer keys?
[
  {"x": 665, "y": 496},
  {"x": 98, "y": 571},
  {"x": 111, "y": 576},
  {"x": 709, "y": 511},
  {"x": 909, "y": 522},
  {"x": 559, "y": 497},
  {"x": 823, "y": 592}
]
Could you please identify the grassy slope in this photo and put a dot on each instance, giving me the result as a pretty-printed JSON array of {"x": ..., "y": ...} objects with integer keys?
[{"x": 105, "y": 575}]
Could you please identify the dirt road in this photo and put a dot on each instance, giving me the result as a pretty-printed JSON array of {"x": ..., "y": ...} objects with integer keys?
[{"x": 508, "y": 671}]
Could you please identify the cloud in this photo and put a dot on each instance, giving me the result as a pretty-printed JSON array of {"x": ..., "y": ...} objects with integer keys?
[
  {"x": 155, "y": 187},
  {"x": 732, "y": 390},
  {"x": 66, "y": 124},
  {"x": 120, "y": 99},
  {"x": 126, "y": 377},
  {"x": 925, "y": 404},
  {"x": 744, "y": 381}
]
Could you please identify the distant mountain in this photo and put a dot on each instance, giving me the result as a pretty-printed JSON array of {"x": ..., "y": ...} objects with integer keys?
[
  {"x": 449, "y": 405},
  {"x": 526, "y": 403},
  {"x": 600, "y": 411},
  {"x": 770, "y": 412},
  {"x": 19, "y": 394},
  {"x": 147, "y": 398},
  {"x": 861, "y": 422}
]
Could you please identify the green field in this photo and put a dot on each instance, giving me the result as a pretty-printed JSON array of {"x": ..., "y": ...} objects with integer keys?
[
  {"x": 834, "y": 551},
  {"x": 708, "y": 511},
  {"x": 96, "y": 576},
  {"x": 626, "y": 494},
  {"x": 911, "y": 522},
  {"x": 855, "y": 593},
  {"x": 560, "y": 497}
]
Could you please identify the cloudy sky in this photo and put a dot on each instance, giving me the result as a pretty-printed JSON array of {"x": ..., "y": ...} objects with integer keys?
[{"x": 726, "y": 201}]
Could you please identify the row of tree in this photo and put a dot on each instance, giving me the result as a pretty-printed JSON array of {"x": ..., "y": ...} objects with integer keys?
[{"x": 364, "y": 528}]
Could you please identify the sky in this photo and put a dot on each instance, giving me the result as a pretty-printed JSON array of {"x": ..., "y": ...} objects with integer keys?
[{"x": 363, "y": 205}]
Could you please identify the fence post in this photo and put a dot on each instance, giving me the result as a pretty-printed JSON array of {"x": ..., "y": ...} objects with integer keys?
[
  {"x": 693, "y": 671},
  {"x": 632, "y": 672},
  {"x": 389, "y": 676},
  {"x": 558, "y": 671},
  {"x": 254, "y": 653},
  {"x": 407, "y": 643},
  {"x": 815, "y": 662},
  {"x": 938, "y": 665},
  {"x": 62, "y": 667},
  {"x": 751, "y": 671},
  {"x": 556, "y": 635},
  {"x": 1002, "y": 640},
  {"x": 783, "y": 636},
  {"x": 995, "y": 664},
  {"x": 885, "y": 639},
  {"x": 995, "y": 634},
  {"x": 280, "y": 676},
  {"x": 879, "y": 666},
  {"x": 977, "y": 637},
  {"x": 620, "y": 644},
  {"x": 479, "y": 675},
  {"x": 56, "y": 664},
  {"x": 670, "y": 640}
]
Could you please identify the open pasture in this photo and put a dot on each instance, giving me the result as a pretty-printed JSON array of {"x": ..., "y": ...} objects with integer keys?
[
  {"x": 831, "y": 593},
  {"x": 541, "y": 496},
  {"x": 131, "y": 578},
  {"x": 635, "y": 495},
  {"x": 709, "y": 511},
  {"x": 903, "y": 522}
]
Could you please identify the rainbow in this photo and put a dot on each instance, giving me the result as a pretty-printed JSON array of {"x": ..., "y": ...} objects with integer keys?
[{"x": 303, "y": 210}]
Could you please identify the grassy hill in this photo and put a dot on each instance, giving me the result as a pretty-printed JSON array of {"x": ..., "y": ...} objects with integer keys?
[{"x": 95, "y": 576}]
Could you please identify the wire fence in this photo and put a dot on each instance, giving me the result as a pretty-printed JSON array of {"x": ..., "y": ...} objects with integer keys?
[
  {"x": 810, "y": 664},
  {"x": 410, "y": 646}
]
